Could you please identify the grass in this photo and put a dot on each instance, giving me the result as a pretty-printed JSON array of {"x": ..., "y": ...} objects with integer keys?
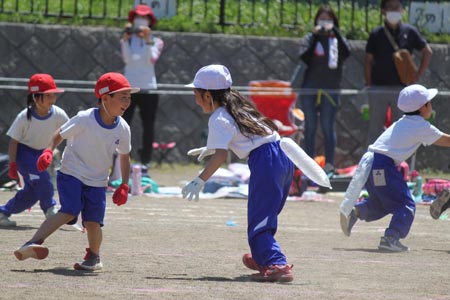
[{"x": 243, "y": 17}]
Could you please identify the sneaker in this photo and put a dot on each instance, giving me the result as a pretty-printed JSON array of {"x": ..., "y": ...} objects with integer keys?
[
  {"x": 6, "y": 222},
  {"x": 91, "y": 262},
  {"x": 32, "y": 250},
  {"x": 348, "y": 222},
  {"x": 275, "y": 273},
  {"x": 51, "y": 211},
  {"x": 391, "y": 244},
  {"x": 441, "y": 203},
  {"x": 250, "y": 263}
]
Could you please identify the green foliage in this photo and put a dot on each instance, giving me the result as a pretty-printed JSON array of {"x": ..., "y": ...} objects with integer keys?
[{"x": 289, "y": 18}]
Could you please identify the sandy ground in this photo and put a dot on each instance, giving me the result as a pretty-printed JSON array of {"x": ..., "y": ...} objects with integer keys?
[{"x": 170, "y": 248}]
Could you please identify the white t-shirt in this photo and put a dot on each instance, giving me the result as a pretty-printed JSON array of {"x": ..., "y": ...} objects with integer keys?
[
  {"x": 402, "y": 138},
  {"x": 140, "y": 59},
  {"x": 37, "y": 132},
  {"x": 223, "y": 133},
  {"x": 90, "y": 146}
]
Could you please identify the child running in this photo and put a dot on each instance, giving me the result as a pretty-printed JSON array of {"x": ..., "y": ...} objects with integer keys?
[
  {"x": 92, "y": 137},
  {"x": 388, "y": 191},
  {"x": 237, "y": 125},
  {"x": 30, "y": 133}
]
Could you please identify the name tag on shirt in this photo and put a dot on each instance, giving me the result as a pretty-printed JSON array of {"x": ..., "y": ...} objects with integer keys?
[{"x": 378, "y": 177}]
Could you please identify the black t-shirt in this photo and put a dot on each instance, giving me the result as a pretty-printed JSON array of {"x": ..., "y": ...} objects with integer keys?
[
  {"x": 383, "y": 68},
  {"x": 315, "y": 54}
]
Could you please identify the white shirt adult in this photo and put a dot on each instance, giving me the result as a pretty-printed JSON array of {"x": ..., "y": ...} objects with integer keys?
[
  {"x": 402, "y": 138},
  {"x": 90, "y": 146},
  {"x": 37, "y": 132},
  {"x": 223, "y": 133},
  {"x": 140, "y": 59}
]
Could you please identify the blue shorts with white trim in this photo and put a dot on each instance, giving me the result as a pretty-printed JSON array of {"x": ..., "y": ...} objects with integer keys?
[{"x": 76, "y": 197}]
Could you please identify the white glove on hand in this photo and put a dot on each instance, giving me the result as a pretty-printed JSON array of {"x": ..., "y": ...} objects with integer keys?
[
  {"x": 193, "y": 189},
  {"x": 203, "y": 151}
]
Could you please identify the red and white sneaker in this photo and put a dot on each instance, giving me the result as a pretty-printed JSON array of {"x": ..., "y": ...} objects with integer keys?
[
  {"x": 275, "y": 273},
  {"x": 91, "y": 262},
  {"x": 31, "y": 250}
]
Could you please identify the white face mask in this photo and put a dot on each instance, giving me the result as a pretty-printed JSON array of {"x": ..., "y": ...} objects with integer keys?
[
  {"x": 138, "y": 22},
  {"x": 323, "y": 23},
  {"x": 393, "y": 17}
]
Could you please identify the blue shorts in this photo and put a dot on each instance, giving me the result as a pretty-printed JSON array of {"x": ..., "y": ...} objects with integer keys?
[{"x": 76, "y": 197}]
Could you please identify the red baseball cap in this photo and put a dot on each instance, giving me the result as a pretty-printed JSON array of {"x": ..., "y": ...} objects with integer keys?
[
  {"x": 142, "y": 10},
  {"x": 42, "y": 84},
  {"x": 112, "y": 82}
]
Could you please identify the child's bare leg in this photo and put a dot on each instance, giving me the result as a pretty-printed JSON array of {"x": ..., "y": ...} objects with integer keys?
[
  {"x": 33, "y": 248},
  {"x": 95, "y": 236},
  {"x": 50, "y": 225}
]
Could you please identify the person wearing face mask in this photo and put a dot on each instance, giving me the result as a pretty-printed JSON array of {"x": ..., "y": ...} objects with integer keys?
[
  {"x": 381, "y": 77},
  {"x": 141, "y": 50},
  {"x": 323, "y": 52}
]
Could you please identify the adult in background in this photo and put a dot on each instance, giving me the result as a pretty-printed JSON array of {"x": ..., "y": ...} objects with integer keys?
[
  {"x": 381, "y": 78},
  {"x": 140, "y": 52},
  {"x": 323, "y": 52}
]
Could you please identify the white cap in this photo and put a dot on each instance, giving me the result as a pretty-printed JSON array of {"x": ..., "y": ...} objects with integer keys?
[
  {"x": 414, "y": 96},
  {"x": 212, "y": 77}
]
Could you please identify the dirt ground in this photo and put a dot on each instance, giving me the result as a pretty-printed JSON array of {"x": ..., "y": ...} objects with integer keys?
[{"x": 170, "y": 248}]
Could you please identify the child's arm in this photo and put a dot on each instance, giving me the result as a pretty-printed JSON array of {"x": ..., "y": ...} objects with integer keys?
[
  {"x": 120, "y": 195},
  {"x": 56, "y": 140},
  {"x": 47, "y": 155},
  {"x": 125, "y": 167},
  {"x": 443, "y": 141},
  {"x": 12, "y": 150},
  {"x": 214, "y": 163},
  {"x": 192, "y": 189}
]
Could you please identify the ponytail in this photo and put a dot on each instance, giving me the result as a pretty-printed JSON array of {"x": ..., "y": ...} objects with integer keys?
[
  {"x": 30, "y": 103},
  {"x": 247, "y": 117}
]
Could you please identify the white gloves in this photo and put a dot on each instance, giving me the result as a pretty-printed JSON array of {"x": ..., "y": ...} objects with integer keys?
[
  {"x": 193, "y": 189},
  {"x": 201, "y": 152}
]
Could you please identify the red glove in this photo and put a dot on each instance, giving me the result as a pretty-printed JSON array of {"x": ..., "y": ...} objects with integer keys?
[
  {"x": 12, "y": 172},
  {"x": 120, "y": 196},
  {"x": 44, "y": 160}
]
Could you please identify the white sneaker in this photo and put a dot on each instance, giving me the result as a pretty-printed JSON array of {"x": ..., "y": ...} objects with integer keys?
[
  {"x": 51, "y": 211},
  {"x": 32, "y": 250},
  {"x": 6, "y": 222}
]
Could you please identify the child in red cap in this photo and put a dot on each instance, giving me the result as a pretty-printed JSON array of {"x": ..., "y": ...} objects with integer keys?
[
  {"x": 83, "y": 176},
  {"x": 30, "y": 133}
]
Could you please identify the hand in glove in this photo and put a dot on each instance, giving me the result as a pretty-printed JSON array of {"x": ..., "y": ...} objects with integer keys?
[
  {"x": 44, "y": 160},
  {"x": 13, "y": 172},
  {"x": 192, "y": 189},
  {"x": 201, "y": 152},
  {"x": 120, "y": 196}
]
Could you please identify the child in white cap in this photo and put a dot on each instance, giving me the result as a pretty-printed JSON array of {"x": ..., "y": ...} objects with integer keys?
[
  {"x": 30, "y": 133},
  {"x": 92, "y": 137},
  {"x": 388, "y": 191},
  {"x": 237, "y": 125}
]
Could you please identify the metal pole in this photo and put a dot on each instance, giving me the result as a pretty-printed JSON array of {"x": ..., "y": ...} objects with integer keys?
[{"x": 222, "y": 13}]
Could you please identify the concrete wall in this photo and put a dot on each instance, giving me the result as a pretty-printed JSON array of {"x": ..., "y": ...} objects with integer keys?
[{"x": 84, "y": 53}]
